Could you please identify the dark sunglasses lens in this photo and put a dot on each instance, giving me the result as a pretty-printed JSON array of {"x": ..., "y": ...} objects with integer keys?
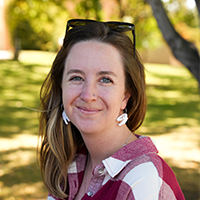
[
  {"x": 120, "y": 26},
  {"x": 76, "y": 23}
]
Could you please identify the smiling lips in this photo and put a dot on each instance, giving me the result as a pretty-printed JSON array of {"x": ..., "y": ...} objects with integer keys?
[{"x": 89, "y": 111}]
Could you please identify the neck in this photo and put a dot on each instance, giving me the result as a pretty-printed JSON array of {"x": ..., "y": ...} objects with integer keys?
[{"x": 102, "y": 145}]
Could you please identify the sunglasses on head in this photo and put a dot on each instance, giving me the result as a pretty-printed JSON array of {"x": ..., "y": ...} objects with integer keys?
[{"x": 113, "y": 25}]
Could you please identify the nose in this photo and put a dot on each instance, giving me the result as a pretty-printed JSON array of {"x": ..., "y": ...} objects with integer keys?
[{"x": 88, "y": 93}]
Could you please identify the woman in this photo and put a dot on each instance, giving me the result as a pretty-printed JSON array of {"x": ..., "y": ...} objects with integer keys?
[{"x": 93, "y": 100}]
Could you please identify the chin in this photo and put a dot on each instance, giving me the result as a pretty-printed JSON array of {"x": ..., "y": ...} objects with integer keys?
[
  {"x": 86, "y": 124},
  {"x": 88, "y": 130}
]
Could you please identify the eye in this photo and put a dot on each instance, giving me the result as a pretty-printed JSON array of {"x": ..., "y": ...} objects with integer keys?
[
  {"x": 76, "y": 79},
  {"x": 106, "y": 80}
]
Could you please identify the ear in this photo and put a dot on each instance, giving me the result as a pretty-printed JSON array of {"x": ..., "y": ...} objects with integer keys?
[{"x": 125, "y": 100}]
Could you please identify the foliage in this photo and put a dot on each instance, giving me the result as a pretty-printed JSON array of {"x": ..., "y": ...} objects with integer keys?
[
  {"x": 148, "y": 34},
  {"x": 185, "y": 20},
  {"x": 89, "y": 9},
  {"x": 178, "y": 11},
  {"x": 35, "y": 23},
  {"x": 145, "y": 24},
  {"x": 40, "y": 24}
]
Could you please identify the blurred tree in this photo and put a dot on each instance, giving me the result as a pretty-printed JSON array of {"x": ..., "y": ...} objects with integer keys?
[
  {"x": 184, "y": 20},
  {"x": 38, "y": 25},
  {"x": 89, "y": 9},
  {"x": 198, "y": 6},
  {"x": 183, "y": 50},
  {"x": 34, "y": 24},
  {"x": 139, "y": 13}
]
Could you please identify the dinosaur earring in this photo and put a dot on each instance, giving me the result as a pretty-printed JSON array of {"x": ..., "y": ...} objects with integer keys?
[{"x": 123, "y": 118}]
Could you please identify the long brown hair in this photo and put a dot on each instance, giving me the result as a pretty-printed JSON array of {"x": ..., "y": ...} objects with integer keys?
[{"x": 59, "y": 143}]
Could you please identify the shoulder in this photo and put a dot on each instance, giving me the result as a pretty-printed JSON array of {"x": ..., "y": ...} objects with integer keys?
[
  {"x": 151, "y": 178},
  {"x": 149, "y": 167},
  {"x": 144, "y": 180}
]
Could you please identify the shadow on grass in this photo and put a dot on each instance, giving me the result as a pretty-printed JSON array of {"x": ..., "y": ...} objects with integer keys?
[
  {"x": 28, "y": 173},
  {"x": 15, "y": 120},
  {"x": 188, "y": 179},
  {"x": 164, "y": 117},
  {"x": 19, "y": 172},
  {"x": 171, "y": 106},
  {"x": 21, "y": 175},
  {"x": 19, "y": 87}
]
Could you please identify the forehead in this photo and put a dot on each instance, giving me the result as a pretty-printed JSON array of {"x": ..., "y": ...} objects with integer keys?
[{"x": 94, "y": 54}]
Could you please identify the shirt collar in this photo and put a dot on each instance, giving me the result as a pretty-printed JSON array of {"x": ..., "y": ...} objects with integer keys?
[{"x": 115, "y": 163}]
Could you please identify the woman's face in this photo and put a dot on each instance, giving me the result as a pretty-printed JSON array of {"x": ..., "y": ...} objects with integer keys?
[{"x": 93, "y": 86}]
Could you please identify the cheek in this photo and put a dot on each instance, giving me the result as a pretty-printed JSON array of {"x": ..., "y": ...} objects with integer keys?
[
  {"x": 113, "y": 98},
  {"x": 67, "y": 96}
]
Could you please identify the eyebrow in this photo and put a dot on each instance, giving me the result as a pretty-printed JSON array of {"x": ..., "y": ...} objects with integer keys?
[
  {"x": 78, "y": 71},
  {"x": 101, "y": 73},
  {"x": 106, "y": 73}
]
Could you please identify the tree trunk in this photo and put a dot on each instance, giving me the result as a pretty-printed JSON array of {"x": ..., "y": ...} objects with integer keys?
[
  {"x": 198, "y": 6},
  {"x": 183, "y": 50}
]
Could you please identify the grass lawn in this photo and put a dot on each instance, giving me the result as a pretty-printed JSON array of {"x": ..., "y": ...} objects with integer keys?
[{"x": 172, "y": 120}]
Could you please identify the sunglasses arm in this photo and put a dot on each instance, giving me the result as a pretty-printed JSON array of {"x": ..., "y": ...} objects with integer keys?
[{"x": 134, "y": 44}]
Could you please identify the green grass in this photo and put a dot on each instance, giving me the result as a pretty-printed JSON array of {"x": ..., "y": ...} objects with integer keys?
[
  {"x": 173, "y": 99},
  {"x": 172, "y": 120}
]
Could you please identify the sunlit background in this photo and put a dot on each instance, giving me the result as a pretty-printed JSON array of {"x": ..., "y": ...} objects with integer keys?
[{"x": 31, "y": 33}]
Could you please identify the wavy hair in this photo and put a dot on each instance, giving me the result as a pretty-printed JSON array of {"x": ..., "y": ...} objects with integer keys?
[{"x": 58, "y": 142}]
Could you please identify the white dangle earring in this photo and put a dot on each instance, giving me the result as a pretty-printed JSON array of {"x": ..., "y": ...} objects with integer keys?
[
  {"x": 64, "y": 116},
  {"x": 123, "y": 118}
]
